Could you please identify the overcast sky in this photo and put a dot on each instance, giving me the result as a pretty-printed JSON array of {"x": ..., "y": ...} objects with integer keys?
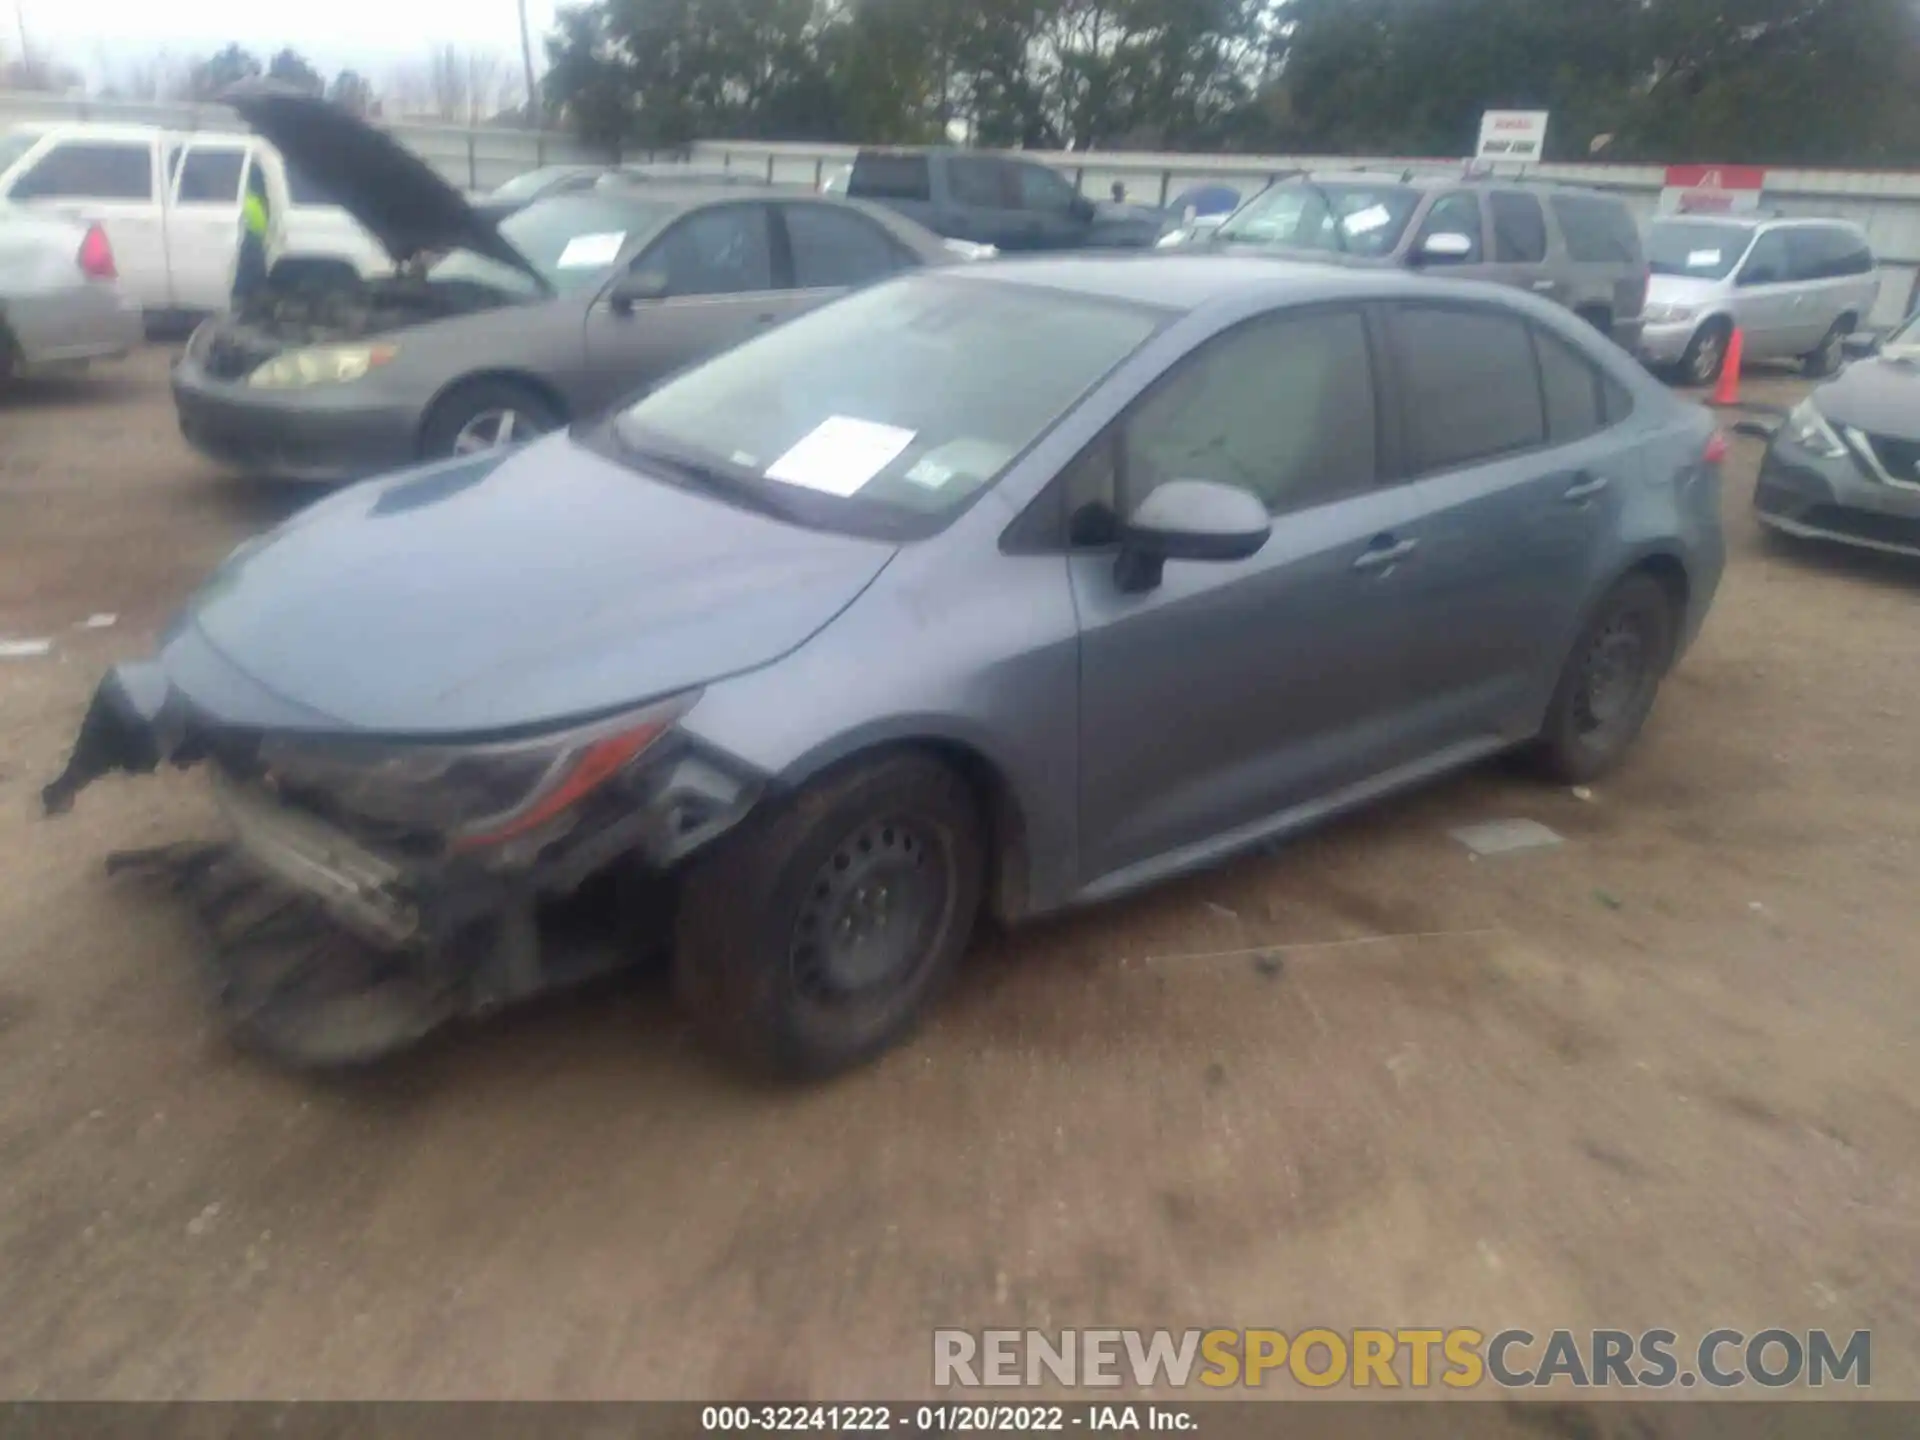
[{"x": 370, "y": 35}]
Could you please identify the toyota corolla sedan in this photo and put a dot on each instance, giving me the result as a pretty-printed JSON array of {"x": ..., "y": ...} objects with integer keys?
[
  {"x": 999, "y": 589},
  {"x": 1845, "y": 466}
]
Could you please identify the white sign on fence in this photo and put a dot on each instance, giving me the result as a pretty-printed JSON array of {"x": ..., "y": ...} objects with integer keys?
[{"x": 1512, "y": 136}]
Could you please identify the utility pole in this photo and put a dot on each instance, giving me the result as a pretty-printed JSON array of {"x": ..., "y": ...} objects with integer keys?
[{"x": 526, "y": 59}]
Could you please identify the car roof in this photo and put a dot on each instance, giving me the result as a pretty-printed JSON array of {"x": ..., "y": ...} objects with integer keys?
[
  {"x": 1441, "y": 180},
  {"x": 1187, "y": 282},
  {"x": 1748, "y": 220}
]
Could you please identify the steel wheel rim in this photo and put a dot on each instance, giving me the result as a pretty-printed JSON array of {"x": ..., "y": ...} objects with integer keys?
[
  {"x": 492, "y": 428},
  {"x": 1706, "y": 357},
  {"x": 1613, "y": 677},
  {"x": 871, "y": 913}
]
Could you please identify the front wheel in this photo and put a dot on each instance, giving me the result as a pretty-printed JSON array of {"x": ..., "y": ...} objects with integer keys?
[
  {"x": 1826, "y": 360},
  {"x": 812, "y": 938},
  {"x": 1609, "y": 681},
  {"x": 1705, "y": 354},
  {"x": 485, "y": 415}
]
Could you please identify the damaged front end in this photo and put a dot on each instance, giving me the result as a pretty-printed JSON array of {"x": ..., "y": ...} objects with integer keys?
[{"x": 371, "y": 890}]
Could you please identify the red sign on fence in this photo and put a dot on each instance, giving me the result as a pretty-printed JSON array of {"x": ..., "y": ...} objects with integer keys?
[{"x": 1712, "y": 189}]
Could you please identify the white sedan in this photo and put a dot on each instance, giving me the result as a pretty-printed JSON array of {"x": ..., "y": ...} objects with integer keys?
[{"x": 60, "y": 301}]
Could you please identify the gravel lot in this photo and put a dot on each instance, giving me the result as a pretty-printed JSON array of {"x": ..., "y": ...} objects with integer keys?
[{"x": 1661, "y": 1075}]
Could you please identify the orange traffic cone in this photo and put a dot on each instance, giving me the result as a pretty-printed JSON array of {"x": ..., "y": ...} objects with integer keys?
[{"x": 1727, "y": 392}]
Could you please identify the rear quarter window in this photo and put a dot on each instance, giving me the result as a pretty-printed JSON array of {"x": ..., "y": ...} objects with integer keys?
[
  {"x": 890, "y": 177},
  {"x": 89, "y": 170},
  {"x": 1597, "y": 230}
]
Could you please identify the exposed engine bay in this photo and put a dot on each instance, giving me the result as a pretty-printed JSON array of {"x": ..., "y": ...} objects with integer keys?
[{"x": 323, "y": 302}]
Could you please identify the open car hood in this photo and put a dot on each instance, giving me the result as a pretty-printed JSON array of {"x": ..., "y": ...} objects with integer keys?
[{"x": 395, "y": 194}]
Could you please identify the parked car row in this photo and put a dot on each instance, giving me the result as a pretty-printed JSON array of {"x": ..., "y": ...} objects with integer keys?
[
  {"x": 854, "y": 628},
  {"x": 866, "y": 593}
]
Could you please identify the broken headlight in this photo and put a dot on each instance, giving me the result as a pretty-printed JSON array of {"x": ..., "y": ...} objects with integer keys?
[
  {"x": 472, "y": 796},
  {"x": 320, "y": 365},
  {"x": 1809, "y": 429}
]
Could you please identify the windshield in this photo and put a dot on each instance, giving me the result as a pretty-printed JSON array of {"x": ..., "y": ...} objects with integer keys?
[
  {"x": 572, "y": 240},
  {"x": 883, "y": 413},
  {"x": 1349, "y": 218},
  {"x": 520, "y": 187},
  {"x": 1691, "y": 247}
]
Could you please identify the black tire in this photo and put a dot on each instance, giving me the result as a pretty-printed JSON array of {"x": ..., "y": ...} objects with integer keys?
[
  {"x": 468, "y": 405},
  {"x": 1826, "y": 360},
  {"x": 1706, "y": 352},
  {"x": 769, "y": 948},
  {"x": 1631, "y": 630}
]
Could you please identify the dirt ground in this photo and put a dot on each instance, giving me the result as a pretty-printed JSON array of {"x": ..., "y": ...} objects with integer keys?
[{"x": 1661, "y": 1075}]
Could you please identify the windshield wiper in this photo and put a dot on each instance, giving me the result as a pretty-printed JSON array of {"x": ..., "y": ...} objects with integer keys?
[{"x": 753, "y": 493}]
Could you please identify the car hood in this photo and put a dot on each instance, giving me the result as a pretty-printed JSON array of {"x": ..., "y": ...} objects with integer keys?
[
  {"x": 1683, "y": 290},
  {"x": 397, "y": 196},
  {"x": 1880, "y": 396},
  {"x": 500, "y": 594}
]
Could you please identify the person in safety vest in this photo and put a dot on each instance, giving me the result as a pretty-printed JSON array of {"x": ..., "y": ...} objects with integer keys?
[{"x": 250, "y": 265}]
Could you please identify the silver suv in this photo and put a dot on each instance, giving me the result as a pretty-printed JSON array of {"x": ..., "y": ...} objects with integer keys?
[
  {"x": 1795, "y": 288},
  {"x": 1577, "y": 247}
]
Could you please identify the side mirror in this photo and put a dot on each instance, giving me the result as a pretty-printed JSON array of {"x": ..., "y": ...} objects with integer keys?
[
  {"x": 636, "y": 287},
  {"x": 1448, "y": 247},
  {"x": 1859, "y": 344},
  {"x": 1188, "y": 520},
  {"x": 1081, "y": 208}
]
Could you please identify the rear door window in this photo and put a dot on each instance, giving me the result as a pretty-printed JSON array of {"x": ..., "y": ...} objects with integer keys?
[
  {"x": 1469, "y": 385},
  {"x": 889, "y": 177},
  {"x": 210, "y": 175},
  {"x": 1597, "y": 230},
  {"x": 1519, "y": 228},
  {"x": 89, "y": 170},
  {"x": 982, "y": 182},
  {"x": 833, "y": 247}
]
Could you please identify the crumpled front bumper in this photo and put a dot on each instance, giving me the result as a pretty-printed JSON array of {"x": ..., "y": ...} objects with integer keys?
[{"x": 459, "y": 928}]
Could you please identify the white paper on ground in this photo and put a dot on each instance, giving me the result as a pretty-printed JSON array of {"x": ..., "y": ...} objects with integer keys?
[
  {"x": 587, "y": 252},
  {"x": 24, "y": 649},
  {"x": 840, "y": 454},
  {"x": 99, "y": 621}
]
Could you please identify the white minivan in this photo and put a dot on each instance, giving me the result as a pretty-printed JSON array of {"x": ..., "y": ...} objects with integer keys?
[{"x": 170, "y": 203}]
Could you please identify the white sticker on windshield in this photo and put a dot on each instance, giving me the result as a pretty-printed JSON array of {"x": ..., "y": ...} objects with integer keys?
[
  {"x": 589, "y": 252},
  {"x": 840, "y": 454},
  {"x": 930, "y": 473},
  {"x": 1697, "y": 258},
  {"x": 1371, "y": 218}
]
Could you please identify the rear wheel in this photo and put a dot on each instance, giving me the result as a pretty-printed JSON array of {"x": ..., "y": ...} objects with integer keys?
[
  {"x": 485, "y": 415},
  {"x": 814, "y": 936},
  {"x": 1705, "y": 353},
  {"x": 1826, "y": 360},
  {"x": 1608, "y": 684}
]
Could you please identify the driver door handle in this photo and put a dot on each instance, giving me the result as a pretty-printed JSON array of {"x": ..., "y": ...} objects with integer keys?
[
  {"x": 1384, "y": 553},
  {"x": 1584, "y": 487}
]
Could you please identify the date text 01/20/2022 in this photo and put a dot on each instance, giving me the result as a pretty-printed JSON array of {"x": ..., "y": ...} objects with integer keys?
[{"x": 940, "y": 1419}]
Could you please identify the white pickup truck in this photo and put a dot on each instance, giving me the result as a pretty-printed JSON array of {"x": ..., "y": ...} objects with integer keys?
[{"x": 169, "y": 202}]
